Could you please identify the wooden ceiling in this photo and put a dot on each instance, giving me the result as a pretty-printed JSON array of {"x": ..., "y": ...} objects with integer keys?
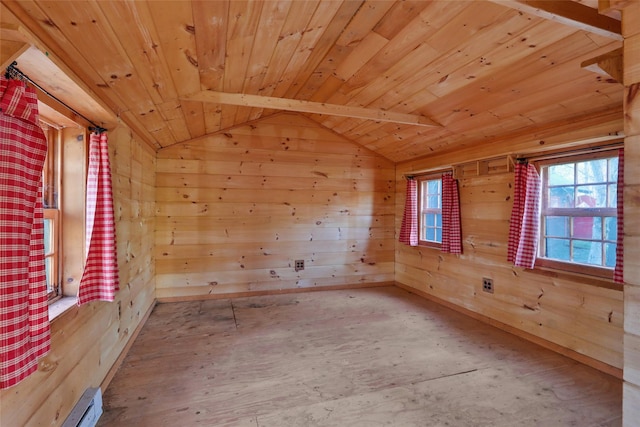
[{"x": 410, "y": 78}]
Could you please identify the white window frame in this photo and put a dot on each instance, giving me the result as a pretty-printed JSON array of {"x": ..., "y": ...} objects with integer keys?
[
  {"x": 424, "y": 209},
  {"x": 576, "y": 213}
]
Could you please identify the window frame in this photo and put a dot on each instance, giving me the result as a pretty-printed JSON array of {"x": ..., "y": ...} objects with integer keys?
[
  {"x": 51, "y": 196},
  {"x": 420, "y": 179},
  {"x": 54, "y": 254},
  {"x": 572, "y": 266},
  {"x": 64, "y": 203}
]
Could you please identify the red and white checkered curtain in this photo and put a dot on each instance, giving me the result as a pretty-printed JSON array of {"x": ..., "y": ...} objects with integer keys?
[
  {"x": 409, "y": 227},
  {"x": 524, "y": 229},
  {"x": 451, "y": 232},
  {"x": 24, "y": 315},
  {"x": 618, "y": 275},
  {"x": 100, "y": 277}
]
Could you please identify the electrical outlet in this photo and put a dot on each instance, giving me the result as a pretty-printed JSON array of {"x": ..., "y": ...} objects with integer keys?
[
  {"x": 487, "y": 285},
  {"x": 299, "y": 264}
]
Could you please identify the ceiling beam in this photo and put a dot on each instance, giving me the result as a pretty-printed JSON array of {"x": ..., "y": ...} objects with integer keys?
[
  {"x": 301, "y": 106},
  {"x": 569, "y": 13},
  {"x": 609, "y": 64},
  {"x": 13, "y": 44}
]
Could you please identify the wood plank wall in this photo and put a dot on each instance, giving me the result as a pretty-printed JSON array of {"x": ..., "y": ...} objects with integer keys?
[
  {"x": 86, "y": 341},
  {"x": 631, "y": 391},
  {"x": 570, "y": 311},
  {"x": 236, "y": 209}
]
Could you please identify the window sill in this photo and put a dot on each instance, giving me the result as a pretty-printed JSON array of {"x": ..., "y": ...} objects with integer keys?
[
  {"x": 61, "y": 306},
  {"x": 423, "y": 244}
]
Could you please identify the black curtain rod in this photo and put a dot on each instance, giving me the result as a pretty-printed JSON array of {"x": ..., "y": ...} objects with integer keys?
[
  {"x": 555, "y": 155},
  {"x": 13, "y": 72}
]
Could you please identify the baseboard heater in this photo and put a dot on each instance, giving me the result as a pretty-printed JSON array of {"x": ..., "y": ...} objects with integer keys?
[{"x": 87, "y": 411}]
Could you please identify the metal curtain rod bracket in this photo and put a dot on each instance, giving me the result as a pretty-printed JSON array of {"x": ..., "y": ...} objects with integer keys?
[{"x": 13, "y": 72}]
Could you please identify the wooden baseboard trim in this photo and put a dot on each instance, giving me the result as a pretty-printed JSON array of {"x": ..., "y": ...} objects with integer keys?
[
  {"x": 275, "y": 292},
  {"x": 116, "y": 365},
  {"x": 572, "y": 354}
]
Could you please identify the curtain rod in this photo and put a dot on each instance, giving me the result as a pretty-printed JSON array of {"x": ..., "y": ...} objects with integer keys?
[
  {"x": 567, "y": 153},
  {"x": 13, "y": 72}
]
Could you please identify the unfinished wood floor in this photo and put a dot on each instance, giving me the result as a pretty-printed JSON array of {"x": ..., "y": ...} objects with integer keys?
[{"x": 367, "y": 357}]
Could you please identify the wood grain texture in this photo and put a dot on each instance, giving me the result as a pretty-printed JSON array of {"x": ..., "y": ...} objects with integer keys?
[
  {"x": 484, "y": 70},
  {"x": 86, "y": 341},
  {"x": 564, "y": 310},
  {"x": 363, "y": 357},
  {"x": 286, "y": 104},
  {"x": 252, "y": 200},
  {"x": 631, "y": 54}
]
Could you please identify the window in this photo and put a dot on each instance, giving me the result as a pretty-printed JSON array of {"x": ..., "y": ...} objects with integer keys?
[
  {"x": 578, "y": 213},
  {"x": 51, "y": 204},
  {"x": 63, "y": 193},
  {"x": 429, "y": 210}
]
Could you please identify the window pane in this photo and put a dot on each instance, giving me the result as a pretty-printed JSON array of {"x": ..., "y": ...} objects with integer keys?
[
  {"x": 613, "y": 170},
  {"x": 431, "y": 205},
  {"x": 610, "y": 228},
  {"x": 47, "y": 236},
  {"x": 612, "y": 201},
  {"x": 439, "y": 235},
  {"x": 610, "y": 255},
  {"x": 431, "y": 234},
  {"x": 558, "y": 249},
  {"x": 591, "y": 196},
  {"x": 586, "y": 252},
  {"x": 48, "y": 264},
  {"x": 430, "y": 220},
  {"x": 561, "y": 197},
  {"x": 593, "y": 171},
  {"x": 557, "y": 226},
  {"x": 587, "y": 227},
  {"x": 561, "y": 174},
  {"x": 434, "y": 186}
]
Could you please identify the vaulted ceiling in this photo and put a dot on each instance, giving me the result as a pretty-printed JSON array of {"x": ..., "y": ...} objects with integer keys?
[{"x": 402, "y": 78}]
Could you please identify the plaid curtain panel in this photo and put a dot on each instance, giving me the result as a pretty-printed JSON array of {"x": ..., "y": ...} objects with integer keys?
[
  {"x": 618, "y": 275},
  {"x": 24, "y": 315},
  {"x": 451, "y": 232},
  {"x": 524, "y": 228},
  {"x": 409, "y": 227},
  {"x": 100, "y": 278}
]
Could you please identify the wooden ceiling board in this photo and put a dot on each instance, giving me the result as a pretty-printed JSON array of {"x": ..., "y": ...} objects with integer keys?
[
  {"x": 483, "y": 99},
  {"x": 272, "y": 20},
  {"x": 95, "y": 50},
  {"x": 176, "y": 32},
  {"x": 487, "y": 71},
  {"x": 211, "y": 21},
  {"x": 407, "y": 40},
  {"x": 311, "y": 36},
  {"x": 65, "y": 89},
  {"x": 323, "y": 81},
  {"x": 140, "y": 42},
  {"x": 48, "y": 39},
  {"x": 241, "y": 34},
  {"x": 88, "y": 30},
  {"x": 320, "y": 50}
]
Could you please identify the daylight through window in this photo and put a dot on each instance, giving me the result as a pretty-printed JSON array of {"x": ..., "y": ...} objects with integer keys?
[
  {"x": 430, "y": 210},
  {"x": 579, "y": 220}
]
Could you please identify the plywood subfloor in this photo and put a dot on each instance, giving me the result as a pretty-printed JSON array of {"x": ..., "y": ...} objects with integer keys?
[{"x": 367, "y": 357}]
